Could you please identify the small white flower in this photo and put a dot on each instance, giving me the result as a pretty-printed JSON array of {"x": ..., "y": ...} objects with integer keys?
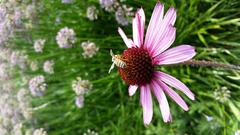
[
  {"x": 122, "y": 14},
  {"x": 89, "y": 48},
  {"x": 17, "y": 129},
  {"x": 17, "y": 18},
  {"x": 24, "y": 104},
  {"x": 92, "y": 13},
  {"x": 23, "y": 95},
  {"x": 209, "y": 118},
  {"x": 27, "y": 112},
  {"x": 90, "y": 132},
  {"x": 66, "y": 37},
  {"x": 67, "y": 1},
  {"x": 3, "y": 12},
  {"x": 58, "y": 20},
  {"x": 48, "y": 66},
  {"x": 107, "y": 4},
  {"x": 30, "y": 12},
  {"x": 80, "y": 86},
  {"x": 79, "y": 101},
  {"x": 37, "y": 85},
  {"x": 4, "y": 72},
  {"x": 5, "y": 54},
  {"x": 39, "y": 45},
  {"x": 18, "y": 58},
  {"x": 39, "y": 132},
  {"x": 237, "y": 132},
  {"x": 34, "y": 65},
  {"x": 120, "y": 17},
  {"x": 6, "y": 30},
  {"x": 222, "y": 94}
]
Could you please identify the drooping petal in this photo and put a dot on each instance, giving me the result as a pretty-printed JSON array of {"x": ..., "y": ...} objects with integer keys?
[
  {"x": 173, "y": 95},
  {"x": 175, "y": 55},
  {"x": 138, "y": 27},
  {"x": 162, "y": 100},
  {"x": 127, "y": 41},
  {"x": 132, "y": 89},
  {"x": 146, "y": 101},
  {"x": 154, "y": 23},
  {"x": 172, "y": 81},
  {"x": 165, "y": 43}
]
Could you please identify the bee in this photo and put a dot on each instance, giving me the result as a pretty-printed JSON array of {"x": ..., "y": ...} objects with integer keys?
[{"x": 117, "y": 60}]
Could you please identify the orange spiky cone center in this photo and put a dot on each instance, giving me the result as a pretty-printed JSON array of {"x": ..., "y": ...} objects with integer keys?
[{"x": 139, "y": 68}]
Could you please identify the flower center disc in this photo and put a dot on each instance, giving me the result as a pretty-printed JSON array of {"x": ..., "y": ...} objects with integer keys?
[{"x": 139, "y": 68}]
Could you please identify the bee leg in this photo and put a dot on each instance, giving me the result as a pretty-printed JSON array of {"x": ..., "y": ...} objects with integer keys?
[{"x": 111, "y": 68}]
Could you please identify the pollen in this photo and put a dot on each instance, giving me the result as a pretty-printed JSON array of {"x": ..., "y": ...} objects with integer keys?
[{"x": 139, "y": 68}]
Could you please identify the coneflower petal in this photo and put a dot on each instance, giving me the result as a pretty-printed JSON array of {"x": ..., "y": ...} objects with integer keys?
[
  {"x": 126, "y": 40},
  {"x": 136, "y": 38},
  {"x": 172, "y": 81},
  {"x": 173, "y": 95},
  {"x": 146, "y": 101},
  {"x": 162, "y": 100},
  {"x": 154, "y": 24},
  {"x": 165, "y": 43},
  {"x": 175, "y": 55},
  {"x": 132, "y": 89},
  {"x": 141, "y": 22},
  {"x": 138, "y": 27},
  {"x": 169, "y": 19}
]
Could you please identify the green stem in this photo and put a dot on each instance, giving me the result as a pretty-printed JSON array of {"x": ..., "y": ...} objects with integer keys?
[{"x": 211, "y": 64}]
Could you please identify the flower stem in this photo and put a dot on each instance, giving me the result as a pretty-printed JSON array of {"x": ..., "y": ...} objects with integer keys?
[{"x": 211, "y": 64}]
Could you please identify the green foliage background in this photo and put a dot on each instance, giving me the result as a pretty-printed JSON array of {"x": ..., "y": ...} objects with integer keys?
[{"x": 212, "y": 26}]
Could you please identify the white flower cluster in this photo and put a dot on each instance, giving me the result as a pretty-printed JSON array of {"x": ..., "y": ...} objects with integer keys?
[
  {"x": 222, "y": 94},
  {"x": 12, "y": 12},
  {"x": 31, "y": 12},
  {"x": 15, "y": 109},
  {"x": 123, "y": 13},
  {"x": 37, "y": 85},
  {"x": 48, "y": 66},
  {"x": 66, "y": 37},
  {"x": 89, "y": 48},
  {"x": 34, "y": 65},
  {"x": 18, "y": 59},
  {"x": 5, "y": 54},
  {"x": 92, "y": 13},
  {"x": 67, "y": 1},
  {"x": 90, "y": 132},
  {"x": 107, "y": 4},
  {"x": 237, "y": 132},
  {"x": 4, "y": 71},
  {"x": 80, "y": 87},
  {"x": 39, "y": 132},
  {"x": 17, "y": 18},
  {"x": 6, "y": 27},
  {"x": 39, "y": 45},
  {"x": 23, "y": 98}
]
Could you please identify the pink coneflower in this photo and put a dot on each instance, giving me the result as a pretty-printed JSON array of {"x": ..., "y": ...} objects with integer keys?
[{"x": 136, "y": 64}]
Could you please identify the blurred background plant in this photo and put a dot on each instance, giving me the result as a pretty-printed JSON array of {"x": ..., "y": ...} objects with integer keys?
[{"x": 54, "y": 63}]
